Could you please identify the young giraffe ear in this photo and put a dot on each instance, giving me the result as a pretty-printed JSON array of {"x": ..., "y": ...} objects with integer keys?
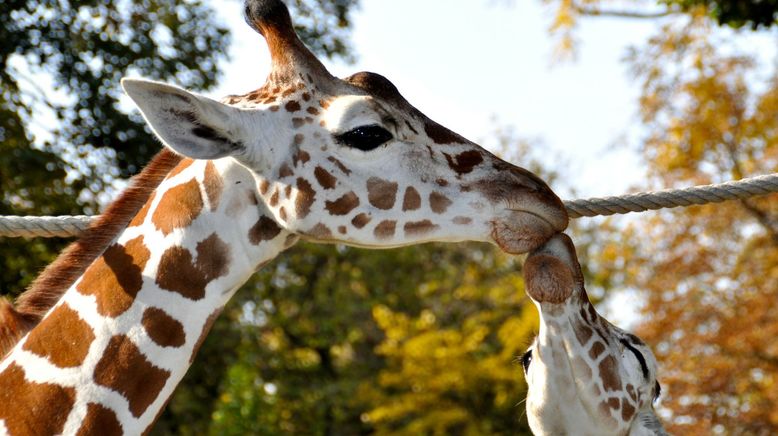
[{"x": 191, "y": 125}]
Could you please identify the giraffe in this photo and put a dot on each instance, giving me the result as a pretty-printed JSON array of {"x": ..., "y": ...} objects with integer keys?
[
  {"x": 100, "y": 340},
  {"x": 585, "y": 376}
]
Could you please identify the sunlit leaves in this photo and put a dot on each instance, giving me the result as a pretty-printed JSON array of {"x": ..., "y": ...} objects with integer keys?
[{"x": 709, "y": 274}]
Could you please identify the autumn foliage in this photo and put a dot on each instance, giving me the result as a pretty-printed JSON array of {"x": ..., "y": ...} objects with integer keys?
[{"x": 708, "y": 275}]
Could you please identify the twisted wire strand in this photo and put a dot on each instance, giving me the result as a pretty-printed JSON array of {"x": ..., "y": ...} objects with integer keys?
[{"x": 68, "y": 226}]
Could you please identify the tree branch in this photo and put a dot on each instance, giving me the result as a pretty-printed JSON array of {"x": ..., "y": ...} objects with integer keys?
[
  {"x": 595, "y": 12},
  {"x": 761, "y": 216}
]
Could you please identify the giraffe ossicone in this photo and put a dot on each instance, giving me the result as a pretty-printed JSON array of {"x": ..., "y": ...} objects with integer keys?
[
  {"x": 585, "y": 376},
  {"x": 105, "y": 334}
]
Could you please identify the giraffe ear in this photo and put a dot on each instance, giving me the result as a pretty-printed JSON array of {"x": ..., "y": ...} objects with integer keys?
[{"x": 192, "y": 125}]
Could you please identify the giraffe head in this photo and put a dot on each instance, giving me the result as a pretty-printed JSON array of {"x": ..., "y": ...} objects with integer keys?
[
  {"x": 350, "y": 160},
  {"x": 584, "y": 375}
]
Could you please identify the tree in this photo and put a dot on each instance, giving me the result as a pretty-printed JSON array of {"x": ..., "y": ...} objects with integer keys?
[
  {"x": 708, "y": 274},
  {"x": 64, "y": 139},
  {"x": 754, "y": 14},
  {"x": 83, "y": 48}
]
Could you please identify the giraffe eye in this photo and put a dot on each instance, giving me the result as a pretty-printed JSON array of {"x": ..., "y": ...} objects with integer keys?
[
  {"x": 365, "y": 138},
  {"x": 526, "y": 359}
]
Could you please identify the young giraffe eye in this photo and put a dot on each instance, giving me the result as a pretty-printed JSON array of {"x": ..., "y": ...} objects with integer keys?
[
  {"x": 526, "y": 359},
  {"x": 365, "y": 138}
]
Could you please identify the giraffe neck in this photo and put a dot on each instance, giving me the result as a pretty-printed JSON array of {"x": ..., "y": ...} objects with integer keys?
[
  {"x": 109, "y": 354},
  {"x": 580, "y": 368}
]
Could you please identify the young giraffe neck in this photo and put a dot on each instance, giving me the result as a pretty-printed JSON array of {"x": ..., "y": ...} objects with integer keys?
[
  {"x": 109, "y": 354},
  {"x": 585, "y": 376}
]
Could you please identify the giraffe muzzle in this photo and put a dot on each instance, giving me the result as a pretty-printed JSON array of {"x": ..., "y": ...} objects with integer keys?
[{"x": 552, "y": 271}]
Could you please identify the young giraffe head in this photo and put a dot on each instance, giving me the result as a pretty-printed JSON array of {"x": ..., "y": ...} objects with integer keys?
[
  {"x": 584, "y": 375},
  {"x": 351, "y": 160}
]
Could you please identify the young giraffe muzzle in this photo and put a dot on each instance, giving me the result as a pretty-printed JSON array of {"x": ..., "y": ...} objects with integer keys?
[
  {"x": 351, "y": 161},
  {"x": 585, "y": 376}
]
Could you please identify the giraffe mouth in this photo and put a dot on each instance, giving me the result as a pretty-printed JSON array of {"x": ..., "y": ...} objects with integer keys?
[{"x": 522, "y": 231}]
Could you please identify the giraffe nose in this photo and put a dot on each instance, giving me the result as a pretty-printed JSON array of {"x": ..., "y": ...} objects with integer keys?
[
  {"x": 550, "y": 207},
  {"x": 552, "y": 271}
]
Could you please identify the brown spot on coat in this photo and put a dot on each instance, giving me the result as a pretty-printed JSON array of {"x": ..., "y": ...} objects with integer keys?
[
  {"x": 385, "y": 229},
  {"x": 62, "y": 337},
  {"x": 342, "y": 230},
  {"x": 439, "y": 202},
  {"x": 312, "y": 110},
  {"x": 464, "y": 162},
  {"x": 125, "y": 369},
  {"x": 343, "y": 205},
  {"x": 274, "y": 198},
  {"x": 214, "y": 185},
  {"x": 179, "y": 206},
  {"x": 340, "y": 165},
  {"x": 441, "y": 135},
  {"x": 416, "y": 228},
  {"x": 583, "y": 333},
  {"x": 297, "y": 122},
  {"x": 325, "y": 179},
  {"x": 462, "y": 220},
  {"x": 611, "y": 381},
  {"x": 627, "y": 410},
  {"x": 632, "y": 394},
  {"x": 299, "y": 138},
  {"x": 301, "y": 156},
  {"x": 162, "y": 328},
  {"x": 305, "y": 198},
  {"x": 177, "y": 273},
  {"x": 265, "y": 229},
  {"x": 264, "y": 185},
  {"x": 597, "y": 349},
  {"x": 412, "y": 199},
  {"x": 381, "y": 193},
  {"x": 184, "y": 164},
  {"x": 292, "y": 106},
  {"x": 614, "y": 403},
  {"x": 45, "y": 406},
  {"x": 319, "y": 231},
  {"x": 100, "y": 420},
  {"x": 361, "y": 220},
  {"x": 116, "y": 277},
  {"x": 285, "y": 171}
]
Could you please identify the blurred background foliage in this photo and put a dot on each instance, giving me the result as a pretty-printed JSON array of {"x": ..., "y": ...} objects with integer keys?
[{"x": 423, "y": 340}]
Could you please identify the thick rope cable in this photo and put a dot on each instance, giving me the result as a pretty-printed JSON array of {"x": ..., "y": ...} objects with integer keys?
[
  {"x": 67, "y": 226},
  {"x": 669, "y": 198}
]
